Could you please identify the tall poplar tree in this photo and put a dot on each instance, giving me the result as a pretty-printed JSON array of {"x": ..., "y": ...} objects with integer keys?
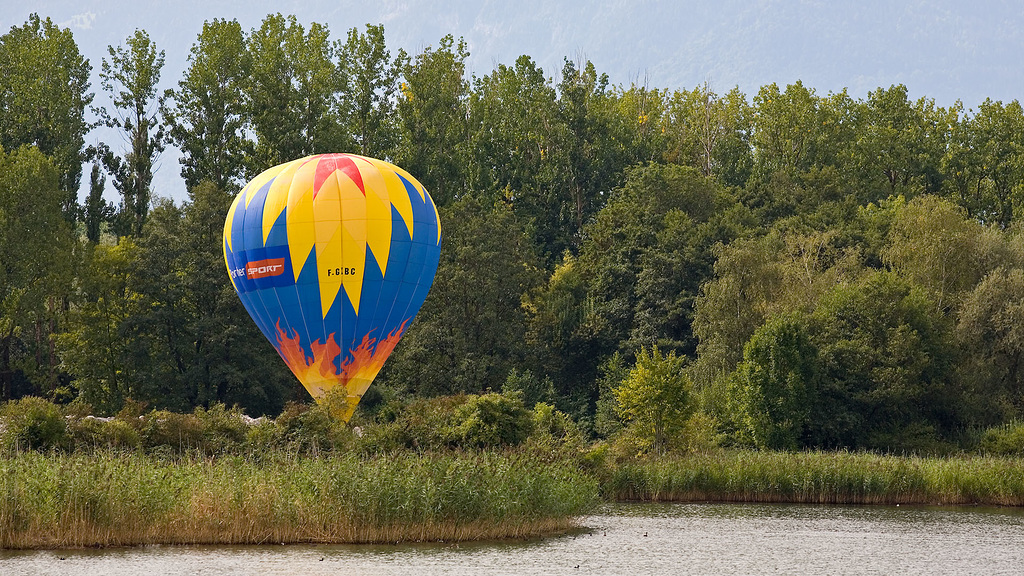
[{"x": 130, "y": 76}]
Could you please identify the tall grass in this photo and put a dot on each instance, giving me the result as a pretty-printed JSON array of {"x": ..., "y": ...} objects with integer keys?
[
  {"x": 820, "y": 477},
  {"x": 111, "y": 499}
]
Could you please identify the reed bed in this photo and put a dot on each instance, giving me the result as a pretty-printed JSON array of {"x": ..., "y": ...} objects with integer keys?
[
  {"x": 118, "y": 499},
  {"x": 820, "y": 478}
]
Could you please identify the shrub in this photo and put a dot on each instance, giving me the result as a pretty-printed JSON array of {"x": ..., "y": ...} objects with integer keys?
[
  {"x": 164, "y": 431},
  {"x": 492, "y": 420},
  {"x": 91, "y": 433},
  {"x": 33, "y": 423},
  {"x": 654, "y": 399},
  {"x": 310, "y": 429},
  {"x": 1004, "y": 440},
  {"x": 223, "y": 430}
]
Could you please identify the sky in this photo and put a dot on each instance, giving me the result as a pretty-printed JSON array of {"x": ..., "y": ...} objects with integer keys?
[{"x": 946, "y": 50}]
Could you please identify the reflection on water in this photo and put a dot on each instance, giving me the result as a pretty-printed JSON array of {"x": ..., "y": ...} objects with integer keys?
[{"x": 625, "y": 539}]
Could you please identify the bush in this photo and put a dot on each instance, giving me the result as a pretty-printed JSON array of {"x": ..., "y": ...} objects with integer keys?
[
  {"x": 310, "y": 429},
  {"x": 33, "y": 423},
  {"x": 460, "y": 421},
  {"x": 91, "y": 433},
  {"x": 165, "y": 431},
  {"x": 491, "y": 420},
  {"x": 223, "y": 430},
  {"x": 1006, "y": 440}
]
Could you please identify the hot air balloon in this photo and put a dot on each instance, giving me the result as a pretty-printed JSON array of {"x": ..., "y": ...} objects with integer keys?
[{"x": 332, "y": 255}]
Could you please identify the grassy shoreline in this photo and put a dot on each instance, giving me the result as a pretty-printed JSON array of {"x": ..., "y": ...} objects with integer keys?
[
  {"x": 108, "y": 499},
  {"x": 820, "y": 478}
]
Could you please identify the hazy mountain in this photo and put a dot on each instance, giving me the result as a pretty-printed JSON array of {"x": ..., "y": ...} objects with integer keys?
[{"x": 946, "y": 50}]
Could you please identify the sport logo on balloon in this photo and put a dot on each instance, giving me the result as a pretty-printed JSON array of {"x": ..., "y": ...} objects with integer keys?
[{"x": 264, "y": 268}]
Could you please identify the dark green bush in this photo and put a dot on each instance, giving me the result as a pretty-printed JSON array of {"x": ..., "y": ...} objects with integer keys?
[
  {"x": 33, "y": 423},
  {"x": 311, "y": 429},
  {"x": 1006, "y": 440},
  {"x": 492, "y": 420},
  {"x": 164, "y": 431},
  {"x": 460, "y": 421},
  {"x": 223, "y": 430}
]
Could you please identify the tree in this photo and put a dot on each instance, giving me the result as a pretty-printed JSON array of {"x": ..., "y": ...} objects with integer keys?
[
  {"x": 784, "y": 124},
  {"x": 513, "y": 113},
  {"x": 886, "y": 367},
  {"x": 933, "y": 242},
  {"x": 96, "y": 345},
  {"x": 990, "y": 331},
  {"x": 131, "y": 77},
  {"x": 96, "y": 210},
  {"x": 470, "y": 332},
  {"x": 225, "y": 357},
  {"x": 588, "y": 155},
  {"x": 999, "y": 149},
  {"x": 654, "y": 399},
  {"x": 757, "y": 277},
  {"x": 371, "y": 81},
  {"x": 900, "y": 143},
  {"x": 206, "y": 115},
  {"x": 37, "y": 246},
  {"x": 44, "y": 83},
  {"x": 640, "y": 112},
  {"x": 710, "y": 132},
  {"x": 433, "y": 109},
  {"x": 292, "y": 93},
  {"x": 773, "y": 388},
  {"x": 643, "y": 259}
]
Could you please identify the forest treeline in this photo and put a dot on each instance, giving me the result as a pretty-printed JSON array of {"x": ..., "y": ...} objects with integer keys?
[{"x": 783, "y": 270}]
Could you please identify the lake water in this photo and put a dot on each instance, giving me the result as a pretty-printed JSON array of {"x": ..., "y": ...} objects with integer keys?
[{"x": 626, "y": 539}]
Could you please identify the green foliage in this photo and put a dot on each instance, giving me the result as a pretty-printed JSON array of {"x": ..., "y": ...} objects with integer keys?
[
  {"x": 655, "y": 399},
  {"x": 989, "y": 329},
  {"x": 205, "y": 116},
  {"x": 291, "y": 93},
  {"x": 606, "y": 415},
  {"x": 44, "y": 88},
  {"x": 774, "y": 388},
  {"x": 371, "y": 82},
  {"x": 886, "y": 358},
  {"x": 309, "y": 429},
  {"x": 529, "y": 387},
  {"x": 36, "y": 271},
  {"x": 466, "y": 421},
  {"x": 1005, "y": 440},
  {"x": 131, "y": 77},
  {"x": 32, "y": 423},
  {"x": 469, "y": 333},
  {"x": 491, "y": 420},
  {"x": 583, "y": 222},
  {"x": 432, "y": 110},
  {"x": 933, "y": 243},
  {"x": 711, "y": 133}
]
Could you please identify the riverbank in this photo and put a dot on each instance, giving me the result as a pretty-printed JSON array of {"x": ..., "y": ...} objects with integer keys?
[
  {"x": 819, "y": 478},
  {"x": 117, "y": 498},
  {"x": 122, "y": 499}
]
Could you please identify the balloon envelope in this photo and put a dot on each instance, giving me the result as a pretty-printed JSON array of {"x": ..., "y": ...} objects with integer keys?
[{"x": 333, "y": 255}]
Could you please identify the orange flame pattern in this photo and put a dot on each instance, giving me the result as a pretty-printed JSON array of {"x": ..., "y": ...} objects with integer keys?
[{"x": 319, "y": 375}]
